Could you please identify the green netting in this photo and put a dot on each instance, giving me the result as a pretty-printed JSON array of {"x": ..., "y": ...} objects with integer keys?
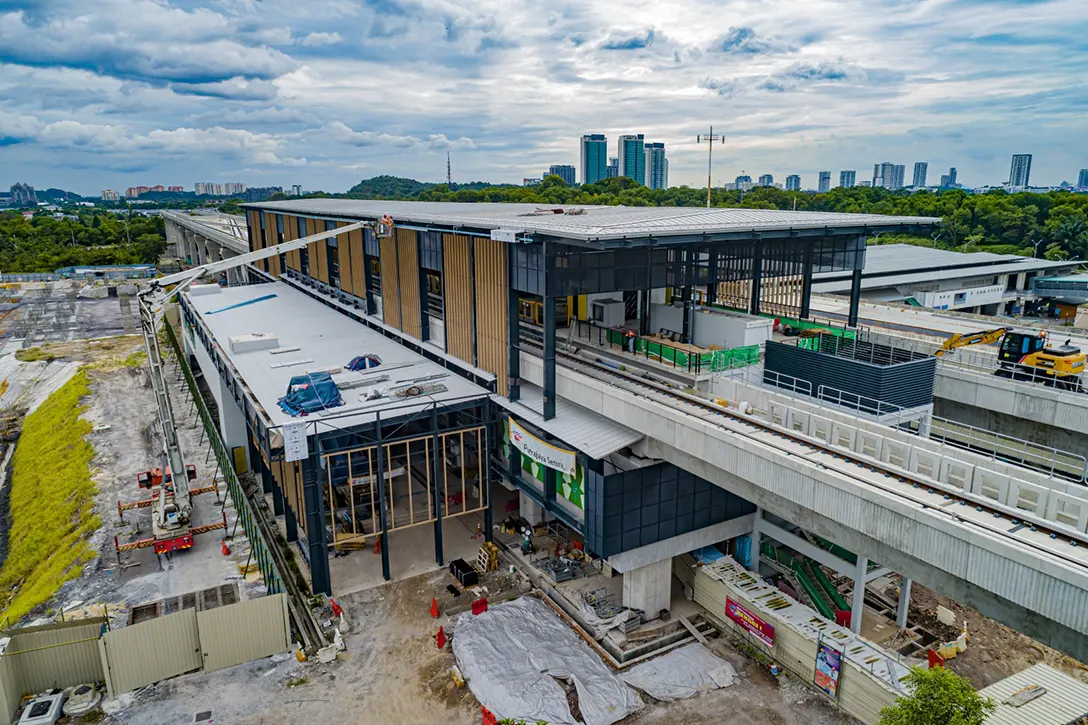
[{"x": 710, "y": 361}]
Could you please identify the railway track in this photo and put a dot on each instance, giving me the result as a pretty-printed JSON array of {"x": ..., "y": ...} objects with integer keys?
[{"x": 1004, "y": 521}]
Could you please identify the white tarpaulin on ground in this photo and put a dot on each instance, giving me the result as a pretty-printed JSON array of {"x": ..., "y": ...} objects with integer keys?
[
  {"x": 512, "y": 655},
  {"x": 682, "y": 673}
]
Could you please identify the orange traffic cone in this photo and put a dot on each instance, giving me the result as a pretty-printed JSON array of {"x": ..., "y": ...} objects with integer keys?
[
  {"x": 225, "y": 549},
  {"x": 434, "y": 608},
  {"x": 378, "y": 545},
  {"x": 440, "y": 639}
]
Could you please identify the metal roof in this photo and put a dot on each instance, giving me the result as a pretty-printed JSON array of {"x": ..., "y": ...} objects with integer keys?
[
  {"x": 325, "y": 339},
  {"x": 593, "y": 223},
  {"x": 593, "y": 434},
  {"x": 1065, "y": 699},
  {"x": 888, "y": 265}
]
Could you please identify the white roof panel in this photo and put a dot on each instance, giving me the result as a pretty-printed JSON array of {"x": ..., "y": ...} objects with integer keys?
[
  {"x": 590, "y": 222},
  {"x": 1065, "y": 699},
  {"x": 326, "y": 339},
  {"x": 593, "y": 434}
]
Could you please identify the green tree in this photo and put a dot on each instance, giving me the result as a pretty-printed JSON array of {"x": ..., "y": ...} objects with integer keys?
[
  {"x": 1055, "y": 252},
  {"x": 938, "y": 696}
]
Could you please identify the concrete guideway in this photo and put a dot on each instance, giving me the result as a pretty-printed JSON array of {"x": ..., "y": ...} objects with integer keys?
[
  {"x": 1009, "y": 572},
  {"x": 203, "y": 239}
]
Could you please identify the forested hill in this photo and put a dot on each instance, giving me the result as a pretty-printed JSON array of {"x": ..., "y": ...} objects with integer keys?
[
  {"x": 395, "y": 187},
  {"x": 996, "y": 222}
]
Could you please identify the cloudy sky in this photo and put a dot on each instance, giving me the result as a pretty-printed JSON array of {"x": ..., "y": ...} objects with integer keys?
[{"x": 116, "y": 93}]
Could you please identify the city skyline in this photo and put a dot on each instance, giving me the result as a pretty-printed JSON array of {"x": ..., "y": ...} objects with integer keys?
[{"x": 330, "y": 92}]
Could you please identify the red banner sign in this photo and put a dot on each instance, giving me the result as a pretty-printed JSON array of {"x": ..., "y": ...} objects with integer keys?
[{"x": 755, "y": 625}]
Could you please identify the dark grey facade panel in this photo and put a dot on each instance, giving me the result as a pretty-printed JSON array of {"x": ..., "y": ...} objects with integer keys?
[
  {"x": 635, "y": 508},
  {"x": 907, "y": 383}
]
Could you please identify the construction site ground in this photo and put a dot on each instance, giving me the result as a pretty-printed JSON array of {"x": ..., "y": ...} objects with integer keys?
[
  {"x": 392, "y": 672},
  {"x": 994, "y": 651},
  {"x": 122, "y": 410}
]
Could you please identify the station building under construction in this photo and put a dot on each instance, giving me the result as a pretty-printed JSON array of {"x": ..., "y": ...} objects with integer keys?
[{"x": 396, "y": 386}]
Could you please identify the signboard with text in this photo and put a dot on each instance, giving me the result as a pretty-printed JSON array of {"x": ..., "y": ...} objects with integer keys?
[
  {"x": 543, "y": 453},
  {"x": 763, "y": 631},
  {"x": 295, "y": 445},
  {"x": 828, "y": 666}
]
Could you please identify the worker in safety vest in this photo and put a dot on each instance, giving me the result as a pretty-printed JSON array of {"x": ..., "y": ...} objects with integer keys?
[{"x": 631, "y": 341}]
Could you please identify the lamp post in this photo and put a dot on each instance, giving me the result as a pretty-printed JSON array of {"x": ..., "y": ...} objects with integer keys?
[{"x": 710, "y": 138}]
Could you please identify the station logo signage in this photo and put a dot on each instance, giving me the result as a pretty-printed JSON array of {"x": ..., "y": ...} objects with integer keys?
[{"x": 543, "y": 453}]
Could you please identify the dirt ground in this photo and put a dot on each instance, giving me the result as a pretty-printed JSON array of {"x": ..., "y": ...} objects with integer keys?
[
  {"x": 392, "y": 673},
  {"x": 994, "y": 651},
  {"x": 122, "y": 409}
]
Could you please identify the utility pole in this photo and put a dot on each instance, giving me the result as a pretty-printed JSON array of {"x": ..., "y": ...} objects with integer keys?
[
  {"x": 449, "y": 176},
  {"x": 710, "y": 138}
]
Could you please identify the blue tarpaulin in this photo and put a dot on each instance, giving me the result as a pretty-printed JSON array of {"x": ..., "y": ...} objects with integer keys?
[
  {"x": 363, "y": 362},
  {"x": 309, "y": 393}
]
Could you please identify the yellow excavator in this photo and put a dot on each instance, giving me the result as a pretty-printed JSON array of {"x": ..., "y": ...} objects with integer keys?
[{"x": 1025, "y": 356}]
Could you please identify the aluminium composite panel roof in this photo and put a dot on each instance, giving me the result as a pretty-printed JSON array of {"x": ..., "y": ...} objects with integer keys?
[
  {"x": 325, "y": 337},
  {"x": 596, "y": 223},
  {"x": 589, "y": 432}
]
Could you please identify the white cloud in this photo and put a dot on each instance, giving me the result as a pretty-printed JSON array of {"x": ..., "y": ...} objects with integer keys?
[{"x": 314, "y": 40}]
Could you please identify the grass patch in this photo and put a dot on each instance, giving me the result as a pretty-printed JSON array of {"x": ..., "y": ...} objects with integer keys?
[
  {"x": 297, "y": 681},
  {"x": 52, "y": 502},
  {"x": 136, "y": 359},
  {"x": 35, "y": 354}
]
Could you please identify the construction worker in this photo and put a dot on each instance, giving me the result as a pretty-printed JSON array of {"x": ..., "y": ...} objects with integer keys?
[{"x": 631, "y": 341}]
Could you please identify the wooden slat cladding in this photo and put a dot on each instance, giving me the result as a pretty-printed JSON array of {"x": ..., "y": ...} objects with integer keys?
[
  {"x": 288, "y": 476},
  {"x": 346, "y": 250},
  {"x": 390, "y": 288},
  {"x": 408, "y": 278},
  {"x": 358, "y": 273},
  {"x": 319, "y": 255},
  {"x": 290, "y": 233},
  {"x": 491, "y": 307},
  {"x": 457, "y": 280}
]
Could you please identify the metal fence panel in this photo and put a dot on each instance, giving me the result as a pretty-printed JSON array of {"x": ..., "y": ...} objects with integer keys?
[
  {"x": 9, "y": 690},
  {"x": 151, "y": 651},
  {"x": 244, "y": 631},
  {"x": 56, "y": 655}
]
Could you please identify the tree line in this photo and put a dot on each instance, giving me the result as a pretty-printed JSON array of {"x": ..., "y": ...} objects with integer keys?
[
  {"x": 44, "y": 244},
  {"x": 1052, "y": 225}
]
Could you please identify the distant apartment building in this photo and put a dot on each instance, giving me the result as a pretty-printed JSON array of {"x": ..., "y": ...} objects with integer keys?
[
  {"x": 234, "y": 189},
  {"x": 1082, "y": 180},
  {"x": 110, "y": 195},
  {"x": 23, "y": 195},
  {"x": 742, "y": 182},
  {"x": 207, "y": 189},
  {"x": 563, "y": 171},
  {"x": 613, "y": 169},
  {"x": 793, "y": 182},
  {"x": 1020, "y": 171},
  {"x": 889, "y": 175},
  {"x": 865, "y": 184},
  {"x": 657, "y": 166},
  {"x": 949, "y": 180},
  {"x": 593, "y": 157},
  {"x": 530, "y": 181},
  {"x": 632, "y": 157},
  {"x": 262, "y": 193},
  {"x": 133, "y": 192},
  {"x": 766, "y": 180},
  {"x": 848, "y": 179},
  {"x": 921, "y": 168},
  {"x": 175, "y": 189},
  {"x": 157, "y": 187},
  {"x": 296, "y": 189},
  {"x": 825, "y": 182}
]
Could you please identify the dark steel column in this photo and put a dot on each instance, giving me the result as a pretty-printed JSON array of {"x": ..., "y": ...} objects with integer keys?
[
  {"x": 290, "y": 524},
  {"x": 277, "y": 500},
  {"x": 855, "y": 298},
  {"x": 380, "y": 475},
  {"x": 513, "y": 327},
  {"x": 315, "y": 528},
  {"x": 485, "y": 473},
  {"x": 438, "y": 470},
  {"x": 424, "y": 292},
  {"x": 644, "y": 312},
  {"x": 549, "y": 337},
  {"x": 806, "y": 278},
  {"x": 757, "y": 277},
  {"x": 712, "y": 284}
]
